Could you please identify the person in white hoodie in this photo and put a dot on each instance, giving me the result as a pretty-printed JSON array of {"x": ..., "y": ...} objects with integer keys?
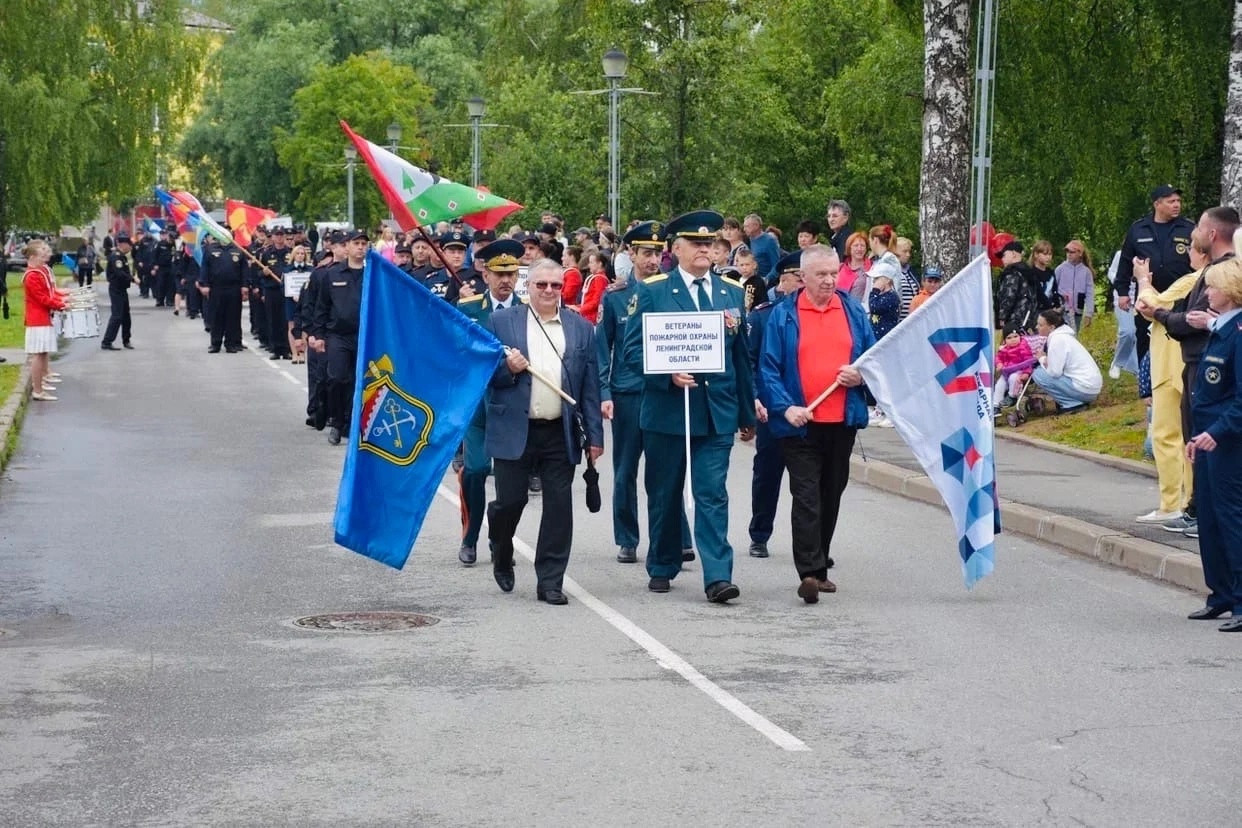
[{"x": 1066, "y": 370}]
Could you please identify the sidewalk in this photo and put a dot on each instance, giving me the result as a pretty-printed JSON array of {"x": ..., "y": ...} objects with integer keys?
[{"x": 1081, "y": 501}]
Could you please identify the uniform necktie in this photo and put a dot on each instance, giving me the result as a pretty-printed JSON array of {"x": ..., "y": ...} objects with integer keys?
[{"x": 705, "y": 300}]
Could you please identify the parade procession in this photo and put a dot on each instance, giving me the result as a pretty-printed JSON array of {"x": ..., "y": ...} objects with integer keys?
[{"x": 750, "y": 440}]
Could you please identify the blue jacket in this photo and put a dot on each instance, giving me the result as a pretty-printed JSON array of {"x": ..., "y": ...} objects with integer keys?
[
  {"x": 1216, "y": 404},
  {"x": 615, "y": 374},
  {"x": 780, "y": 384},
  {"x": 767, "y": 253}
]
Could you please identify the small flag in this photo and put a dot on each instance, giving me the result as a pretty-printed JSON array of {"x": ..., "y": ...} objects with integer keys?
[
  {"x": 243, "y": 218},
  {"x": 69, "y": 262},
  {"x": 417, "y": 197},
  {"x": 413, "y": 399},
  {"x": 932, "y": 376}
]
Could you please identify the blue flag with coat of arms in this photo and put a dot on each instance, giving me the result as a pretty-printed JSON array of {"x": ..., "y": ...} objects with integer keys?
[
  {"x": 422, "y": 370},
  {"x": 932, "y": 376}
]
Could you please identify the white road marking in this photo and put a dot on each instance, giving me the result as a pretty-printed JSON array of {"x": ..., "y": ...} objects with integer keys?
[
  {"x": 255, "y": 348},
  {"x": 297, "y": 519},
  {"x": 662, "y": 655}
]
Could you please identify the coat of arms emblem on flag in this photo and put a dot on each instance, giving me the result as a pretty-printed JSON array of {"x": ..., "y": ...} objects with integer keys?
[{"x": 395, "y": 425}]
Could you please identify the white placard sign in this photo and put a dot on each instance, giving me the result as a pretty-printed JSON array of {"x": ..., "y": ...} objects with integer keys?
[{"x": 689, "y": 343}]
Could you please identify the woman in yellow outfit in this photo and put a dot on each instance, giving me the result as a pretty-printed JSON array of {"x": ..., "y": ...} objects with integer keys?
[{"x": 1168, "y": 443}]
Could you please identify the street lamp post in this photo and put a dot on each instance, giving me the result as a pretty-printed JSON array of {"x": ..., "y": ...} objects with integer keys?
[
  {"x": 394, "y": 138},
  {"x": 351, "y": 156},
  {"x": 475, "y": 108},
  {"x": 615, "y": 64}
]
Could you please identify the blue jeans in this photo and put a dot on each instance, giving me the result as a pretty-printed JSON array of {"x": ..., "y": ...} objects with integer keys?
[{"x": 1062, "y": 391}]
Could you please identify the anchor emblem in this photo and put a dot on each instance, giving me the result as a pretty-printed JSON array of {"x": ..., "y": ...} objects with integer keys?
[{"x": 395, "y": 425}]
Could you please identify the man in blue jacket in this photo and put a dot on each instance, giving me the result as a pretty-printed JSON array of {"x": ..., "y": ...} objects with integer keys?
[{"x": 816, "y": 435}]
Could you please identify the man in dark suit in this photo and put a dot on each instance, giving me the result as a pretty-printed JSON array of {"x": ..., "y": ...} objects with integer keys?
[
  {"x": 721, "y": 405},
  {"x": 531, "y": 428}
]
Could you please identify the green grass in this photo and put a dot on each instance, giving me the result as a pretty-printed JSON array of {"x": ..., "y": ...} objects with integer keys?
[
  {"x": 8, "y": 381},
  {"x": 1116, "y": 423}
]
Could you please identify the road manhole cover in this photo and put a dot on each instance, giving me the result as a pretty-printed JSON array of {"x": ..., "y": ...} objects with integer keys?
[{"x": 366, "y": 622}]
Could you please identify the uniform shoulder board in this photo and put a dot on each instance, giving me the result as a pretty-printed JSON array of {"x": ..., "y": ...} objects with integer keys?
[
  {"x": 659, "y": 277},
  {"x": 729, "y": 281},
  {"x": 478, "y": 297}
]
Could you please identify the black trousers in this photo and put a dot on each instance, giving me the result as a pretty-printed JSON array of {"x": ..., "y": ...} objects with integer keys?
[
  {"x": 545, "y": 455},
  {"x": 226, "y": 317},
  {"x": 86, "y": 276},
  {"x": 258, "y": 320},
  {"x": 819, "y": 469},
  {"x": 316, "y": 387},
  {"x": 120, "y": 319},
  {"x": 341, "y": 355},
  {"x": 277, "y": 325}
]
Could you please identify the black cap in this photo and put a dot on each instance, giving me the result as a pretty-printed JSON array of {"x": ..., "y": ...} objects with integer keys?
[
  {"x": 1015, "y": 246},
  {"x": 603, "y": 217},
  {"x": 401, "y": 247},
  {"x": 1164, "y": 191},
  {"x": 697, "y": 225},
  {"x": 484, "y": 236},
  {"x": 789, "y": 263},
  {"x": 647, "y": 234},
  {"x": 548, "y": 228},
  {"x": 354, "y": 235},
  {"x": 279, "y": 231},
  {"x": 454, "y": 238},
  {"x": 527, "y": 238}
]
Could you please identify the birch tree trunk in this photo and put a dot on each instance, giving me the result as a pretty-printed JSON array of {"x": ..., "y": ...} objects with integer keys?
[
  {"x": 1231, "y": 159},
  {"x": 944, "y": 180}
]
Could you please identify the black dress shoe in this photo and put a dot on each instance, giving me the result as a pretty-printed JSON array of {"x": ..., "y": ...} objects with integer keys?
[
  {"x": 334, "y": 435},
  {"x": 808, "y": 590},
  {"x": 504, "y": 578},
  {"x": 213, "y": 350},
  {"x": 552, "y": 596},
  {"x": 758, "y": 549},
  {"x": 1207, "y": 613},
  {"x": 535, "y": 484},
  {"x": 659, "y": 585},
  {"x": 127, "y": 346},
  {"x": 1232, "y": 625},
  {"x": 274, "y": 356},
  {"x": 108, "y": 346},
  {"x": 627, "y": 554},
  {"x": 687, "y": 555},
  {"x": 721, "y": 592},
  {"x": 830, "y": 563},
  {"x": 467, "y": 555},
  {"x": 310, "y": 422}
]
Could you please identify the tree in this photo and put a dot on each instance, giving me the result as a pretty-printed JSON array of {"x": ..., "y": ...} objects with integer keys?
[
  {"x": 369, "y": 92},
  {"x": 944, "y": 176},
  {"x": 1231, "y": 161}
]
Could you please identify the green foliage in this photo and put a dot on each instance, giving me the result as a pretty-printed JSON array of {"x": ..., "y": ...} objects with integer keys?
[
  {"x": 369, "y": 92},
  {"x": 81, "y": 83}
]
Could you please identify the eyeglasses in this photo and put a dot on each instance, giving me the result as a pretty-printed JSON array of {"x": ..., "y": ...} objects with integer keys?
[{"x": 547, "y": 285}]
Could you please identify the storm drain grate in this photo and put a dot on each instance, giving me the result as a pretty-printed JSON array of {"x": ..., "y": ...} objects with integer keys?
[{"x": 366, "y": 622}]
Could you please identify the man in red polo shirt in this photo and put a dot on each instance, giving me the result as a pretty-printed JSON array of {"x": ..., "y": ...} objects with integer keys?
[{"x": 810, "y": 343}]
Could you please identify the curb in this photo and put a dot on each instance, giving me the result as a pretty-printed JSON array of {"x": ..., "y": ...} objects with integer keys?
[
  {"x": 12, "y": 412},
  {"x": 1108, "y": 546},
  {"x": 1133, "y": 466}
]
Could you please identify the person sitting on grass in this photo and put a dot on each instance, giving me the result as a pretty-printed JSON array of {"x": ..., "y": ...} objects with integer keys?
[
  {"x": 1066, "y": 370},
  {"x": 1014, "y": 361}
]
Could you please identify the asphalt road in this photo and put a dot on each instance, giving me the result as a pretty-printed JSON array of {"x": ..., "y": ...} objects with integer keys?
[{"x": 163, "y": 524}]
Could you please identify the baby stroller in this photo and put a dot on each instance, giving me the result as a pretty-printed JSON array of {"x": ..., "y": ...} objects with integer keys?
[{"x": 1026, "y": 403}]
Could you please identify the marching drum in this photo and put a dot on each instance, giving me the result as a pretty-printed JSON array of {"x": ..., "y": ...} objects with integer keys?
[{"x": 80, "y": 319}]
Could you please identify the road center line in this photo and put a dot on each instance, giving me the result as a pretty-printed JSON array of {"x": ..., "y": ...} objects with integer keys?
[{"x": 662, "y": 655}]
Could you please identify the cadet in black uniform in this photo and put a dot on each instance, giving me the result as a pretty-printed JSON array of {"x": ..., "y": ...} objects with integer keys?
[
  {"x": 144, "y": 257},
  {"x": 253, "y": 287},
  {"x": 316, "y": 359},
  {"x": 275, "y": 257},
  {"x": 1163, "y": 238},
  {"x": 119, "y": 277},
  {"x": 440, "y": 282},
  {"x": 401, "y": 258},
  {"x": 163, "y": 285},
  {"x": 224, "y": 275},
  {"x": 337, "y": 315},
  {"x": 186, "y": 270}
]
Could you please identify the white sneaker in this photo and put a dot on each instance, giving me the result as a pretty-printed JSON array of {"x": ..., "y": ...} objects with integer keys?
[
  {"x": 1114, "y": 372},
  {"x": 883, "y": 421},
  {"x": 1157, "y": 516}
]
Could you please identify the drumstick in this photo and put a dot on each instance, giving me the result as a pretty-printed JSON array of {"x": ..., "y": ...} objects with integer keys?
[{"x": 539, "y": 376}]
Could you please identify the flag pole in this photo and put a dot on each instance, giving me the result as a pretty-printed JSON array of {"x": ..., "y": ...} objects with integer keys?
[
  {"x": 827, "y": 393},
  {"x": 435, "y": 248},
  {"x": 546, "y": 381},
  {"x": 687, "y": 493}
]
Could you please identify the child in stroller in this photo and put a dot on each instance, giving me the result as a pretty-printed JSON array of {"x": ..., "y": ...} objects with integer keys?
[{"x": 1015, "y": 360}]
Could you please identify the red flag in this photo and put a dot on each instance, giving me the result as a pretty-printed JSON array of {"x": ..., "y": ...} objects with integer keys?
[{"x": 243, "y": 218}]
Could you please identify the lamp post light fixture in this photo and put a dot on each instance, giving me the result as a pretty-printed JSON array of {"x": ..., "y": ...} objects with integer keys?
[
  {"x": 351, "y": 157},
  {"x": 475, "y": 108},
  {"x": 615, "y": 63}
]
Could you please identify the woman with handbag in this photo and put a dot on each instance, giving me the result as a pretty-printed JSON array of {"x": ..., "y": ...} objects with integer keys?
[{"x": 42, "y": 298}]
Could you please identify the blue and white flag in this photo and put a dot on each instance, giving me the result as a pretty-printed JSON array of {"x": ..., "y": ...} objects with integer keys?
[
  {"x": 932, "y": 376},
  {"x": 422, "y": 369}
]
